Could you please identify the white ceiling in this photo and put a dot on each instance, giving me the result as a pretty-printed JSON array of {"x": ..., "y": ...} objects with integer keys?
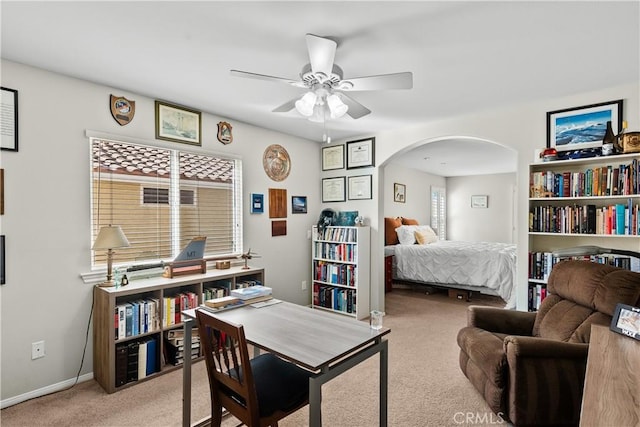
[{"x": 464, "y": 56}]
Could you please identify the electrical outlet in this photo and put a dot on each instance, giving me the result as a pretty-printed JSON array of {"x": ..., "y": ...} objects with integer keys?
[
  {"x": 37, "y": 350},
  {"x": 304, "y": 285}
]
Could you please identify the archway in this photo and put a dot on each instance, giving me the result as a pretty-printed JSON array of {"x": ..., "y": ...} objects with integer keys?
[{"x": 471, "y": 162}]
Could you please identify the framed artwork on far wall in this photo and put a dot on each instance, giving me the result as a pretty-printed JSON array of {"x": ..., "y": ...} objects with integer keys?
[
  {"x": 9, "y": 119},
  {"x": 361, "y": 153},
  {"x": 399, "y": 193},
  {"x": 359, "y": 187},
  {"x": 581, "y": 128},
  {"x": 299, "y": 204},
  {"x": 333, "y": 189},
  {"x": 178, "y": 124},
  {"x": 333, "y": 157},
  {"x": 257, "y": 203},
  {"x": 480, "y": 201}
]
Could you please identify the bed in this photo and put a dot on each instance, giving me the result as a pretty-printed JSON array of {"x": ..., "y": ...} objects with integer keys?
[{"x": 485, "y": 267}]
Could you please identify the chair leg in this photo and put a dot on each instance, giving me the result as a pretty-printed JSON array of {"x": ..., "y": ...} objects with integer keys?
[{"x": 216, "y": 415}]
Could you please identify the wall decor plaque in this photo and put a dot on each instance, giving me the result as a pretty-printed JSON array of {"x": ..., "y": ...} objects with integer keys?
[
  {"x": 224, "y": 133},
  {"x": 122, "y": 109},
  {"x": 276, "y": 162}
]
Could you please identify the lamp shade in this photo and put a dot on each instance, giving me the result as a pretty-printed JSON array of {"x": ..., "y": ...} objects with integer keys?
[
  {"x": 305, "y": 104},
  {"x": 336, "y": 106},
  {"x": 110, "y": 237}
]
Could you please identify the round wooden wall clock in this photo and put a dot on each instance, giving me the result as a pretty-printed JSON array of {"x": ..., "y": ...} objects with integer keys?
[{"x": 276, "y": 162}]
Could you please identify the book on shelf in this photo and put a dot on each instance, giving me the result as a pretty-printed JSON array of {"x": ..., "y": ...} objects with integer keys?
[
  {"x": 221, "y": 301},
  {"x": 136, "y": 318},
  {"x": 251, "y": 292},
  {"x": 132, "y": 361},
  {"x": 142, "y": 360},
  {"x": 121, "y": 365},
  {"x": 174, "y": 354}
]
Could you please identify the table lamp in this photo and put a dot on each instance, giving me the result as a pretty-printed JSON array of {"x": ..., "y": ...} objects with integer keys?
[
  {"x": 592, "y": 250},
  {"x": 110, "y": 237}
]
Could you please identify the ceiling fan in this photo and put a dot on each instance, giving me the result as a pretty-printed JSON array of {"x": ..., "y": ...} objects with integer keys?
[{"x": 323, "y": 80}]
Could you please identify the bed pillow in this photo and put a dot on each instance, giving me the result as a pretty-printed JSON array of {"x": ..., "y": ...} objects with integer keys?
[
  {"x": 425, "y": 237},
  {"x": 406, "y": 233},
  {"x": 390, "y": 225},
  {"x": 409, "y": 221}
]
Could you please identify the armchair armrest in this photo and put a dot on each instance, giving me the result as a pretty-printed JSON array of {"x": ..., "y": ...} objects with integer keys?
[
  {"x": 540, "y": 347},
  {"x": 500, "y": 320},
  {"x": 546, "y": 379}
]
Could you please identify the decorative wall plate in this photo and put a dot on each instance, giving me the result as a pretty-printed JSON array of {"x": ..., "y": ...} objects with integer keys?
[
  {"x": 122, "y": 109},
  {"x": 276, "y": 162}
]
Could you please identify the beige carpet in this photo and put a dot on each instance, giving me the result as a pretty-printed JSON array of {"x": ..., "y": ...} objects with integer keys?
[{"x": 426, "y": 387}]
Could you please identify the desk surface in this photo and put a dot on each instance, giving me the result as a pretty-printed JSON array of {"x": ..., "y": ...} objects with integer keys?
[
  {"x": 612, "y": 383},
  {"x": 308, "y": 337}
]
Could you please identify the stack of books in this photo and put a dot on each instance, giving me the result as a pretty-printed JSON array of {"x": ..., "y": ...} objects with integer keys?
[{"x": 174, "y": 346}]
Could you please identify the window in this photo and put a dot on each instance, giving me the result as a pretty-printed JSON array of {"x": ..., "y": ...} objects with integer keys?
[
  {"x": 439, "y": 211},
  {"x": 152, "y": 195},
  {"x": 163, "y": 198}
]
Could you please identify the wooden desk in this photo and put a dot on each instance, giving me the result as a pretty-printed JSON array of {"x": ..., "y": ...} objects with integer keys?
[
  {"x": 612, "y": 382},
  {"x": 321, "y": 342}
]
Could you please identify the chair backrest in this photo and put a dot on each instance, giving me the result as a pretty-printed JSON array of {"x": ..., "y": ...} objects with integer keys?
[
  {"x": 580, "y": 294},
  {"x": 228, "y": 366}
]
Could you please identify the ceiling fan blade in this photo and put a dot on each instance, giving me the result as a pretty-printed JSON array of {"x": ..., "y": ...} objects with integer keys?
[
  {"x": 322, "y": 52},
  {"x": 287, "y": 106},
  {"x": 381, "y": 82},
  {"x": 356, "y": 110},
  {"x": 249, "y": 75}
]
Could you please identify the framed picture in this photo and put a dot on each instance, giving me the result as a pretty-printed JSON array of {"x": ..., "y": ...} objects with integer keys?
[
  {"x": 360, "y": 154},
  {"x": 479, "y": 201},
  {"x": 2, "y": 273},
  {"x": 1, "y": 191},
  {"x": 359, "y": 187},
  {"x": 626, "y": 321},
  {"x": 178, "y": 124},
  {"x": 333, "y": 189},
  {"x": 257, "y": 203},
  {"x": 584, "y": 127},
  {"x": 299, "y": 204},
  {"x": 399, "y": 193},
  {"x": 333, "y": 157},
  {"x": 277, "y": 203},
  {"x": 9, "y": 119}
]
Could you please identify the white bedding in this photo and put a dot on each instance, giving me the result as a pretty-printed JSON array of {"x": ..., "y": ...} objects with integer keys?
[{"x": 483, "y": 264}]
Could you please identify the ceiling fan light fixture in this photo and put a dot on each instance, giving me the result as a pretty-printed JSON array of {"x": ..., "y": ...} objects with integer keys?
[
  {"x": 336, "y": 106},
  {"x": 306, "y": 104}
]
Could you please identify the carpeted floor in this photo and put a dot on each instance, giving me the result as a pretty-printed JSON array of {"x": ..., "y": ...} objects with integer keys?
[{"x": 426, "y": 386}]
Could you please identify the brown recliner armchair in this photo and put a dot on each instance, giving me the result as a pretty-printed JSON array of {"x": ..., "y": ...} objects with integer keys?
[{"x": 530, "y": 366}]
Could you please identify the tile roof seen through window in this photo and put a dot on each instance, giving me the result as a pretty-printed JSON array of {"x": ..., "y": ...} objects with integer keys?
[{"x": 127, "y": 159}]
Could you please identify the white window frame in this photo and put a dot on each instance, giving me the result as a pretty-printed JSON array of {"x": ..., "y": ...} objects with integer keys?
[
  {"x": 439, "y": 211},
  {"x": 236, "y": 230}
]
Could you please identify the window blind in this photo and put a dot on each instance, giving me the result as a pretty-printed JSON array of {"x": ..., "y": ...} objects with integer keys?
[
  {"x": 163, "y": 198},
  {"x": 439, "y": 211}
]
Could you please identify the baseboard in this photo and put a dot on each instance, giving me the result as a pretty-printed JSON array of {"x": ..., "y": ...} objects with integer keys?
[{"x": 44, "y": 391}]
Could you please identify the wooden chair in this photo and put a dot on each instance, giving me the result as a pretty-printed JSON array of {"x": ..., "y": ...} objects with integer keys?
[{"x": 259, "y": 391}]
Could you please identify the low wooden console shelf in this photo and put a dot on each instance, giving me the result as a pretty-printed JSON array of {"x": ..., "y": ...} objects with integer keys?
[{"x": 126, "y": 352}]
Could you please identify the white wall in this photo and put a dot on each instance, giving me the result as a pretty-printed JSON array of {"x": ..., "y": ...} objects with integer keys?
[
  {"x": 493, "y": 224},
  {"x": 47, "y": 218},
  {"x": 417, "y": 196}
]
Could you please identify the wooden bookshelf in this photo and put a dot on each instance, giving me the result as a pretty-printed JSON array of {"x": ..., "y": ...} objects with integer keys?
[
  {"x": 340, "y": 270},
  {"x": 106, "y": 300},
  {"x": 571, "y": 203}
]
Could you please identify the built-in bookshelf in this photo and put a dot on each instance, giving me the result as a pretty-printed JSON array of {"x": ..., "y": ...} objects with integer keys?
[
  {"x": 340, "y": 270},
  {"x": 582, "y": 202},
  {"x": 137, "y": 328}
]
